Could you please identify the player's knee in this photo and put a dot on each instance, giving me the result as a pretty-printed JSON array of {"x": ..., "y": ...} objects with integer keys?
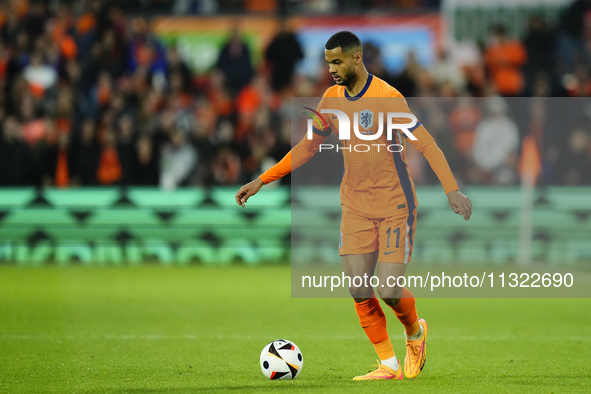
[
  {"x": 390, "y": 295},
  {"x": 361, "y": 292},
  {"x": 391, "y": 302}
]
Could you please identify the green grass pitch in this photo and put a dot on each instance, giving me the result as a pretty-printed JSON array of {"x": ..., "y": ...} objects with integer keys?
[{"x": 200, "y": 330}]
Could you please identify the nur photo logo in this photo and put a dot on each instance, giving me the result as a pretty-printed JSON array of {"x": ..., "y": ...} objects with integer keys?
[{"x": 363, "y": 128}]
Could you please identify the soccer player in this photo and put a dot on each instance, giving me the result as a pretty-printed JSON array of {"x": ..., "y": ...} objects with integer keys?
[{"x": 378, "y": 205}]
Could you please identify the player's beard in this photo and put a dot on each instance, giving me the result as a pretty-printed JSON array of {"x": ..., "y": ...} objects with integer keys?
[{"x": 348, "y": 78}]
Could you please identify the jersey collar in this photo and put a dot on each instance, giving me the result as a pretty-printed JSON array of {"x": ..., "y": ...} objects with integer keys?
[{"x": 367, "y": 83}]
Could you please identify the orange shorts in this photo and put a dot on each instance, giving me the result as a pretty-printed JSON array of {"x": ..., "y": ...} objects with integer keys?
[{"x": 392, "y": 236}]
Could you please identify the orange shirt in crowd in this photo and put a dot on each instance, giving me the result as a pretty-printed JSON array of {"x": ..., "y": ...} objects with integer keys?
[
  {"x": 109, "y": 170},
  {"x": 463, "y": 121},
  {"x": 504, "y": 61},
  {"x": 62, "y": 176}
]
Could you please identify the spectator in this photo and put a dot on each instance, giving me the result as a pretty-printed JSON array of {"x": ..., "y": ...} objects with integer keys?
[
  {"x": 146, "y": 163},
  {"x": 34, "y": 129},
  {"x": 504, "y": 58},
  {"x": 59, "y": 165},
  {"x": 179, "y": 159},
  {"x": 407, "y": 81},
  {"x": 540, "y": 46},
  {"x": 260, "y": 5},
  {"x": 496, "y": 142},
  {"x": 577, "y": 84},
  {"x": 87, "y": 155},
  {"x": 463, "y": 120},
  {"x": 103, "y": 92},
  {"x": 109, "y": 169},
  {"x": 226, "y": 167},
  {"x": 445, "y": 71},
  {"x": 63, "y": 111},
  {"x": 254, "y": 98},
  {"x": 283, "y": 53},
  {"x": 91, "y": 66},
  {"x": 126, "y": 147},
  {"x": 184, "y": 7},
  {"x": 12, "y": 28},
  {"x": 571, "y": 41},
  {"x": 234, "y": 62},
  {"x": 40, "y": 76},
  {"x": 372, "y": 58},
  {"x": 34, "y": 22},
  {"x": 14, "y": 154},
  {"x": 61, "y": 73},
  {"x": 575, "y": 165},
  {"x": 176, "y": 65},
  {"x": 113, "y": 52},
  {"x": 144, "y": 49}
]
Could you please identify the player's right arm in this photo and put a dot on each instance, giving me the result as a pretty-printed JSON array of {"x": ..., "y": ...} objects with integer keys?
[{"x": 295, "y": 158}]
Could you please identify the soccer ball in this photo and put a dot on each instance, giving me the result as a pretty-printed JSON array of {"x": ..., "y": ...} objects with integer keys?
[{"x": 281, "y": 359}]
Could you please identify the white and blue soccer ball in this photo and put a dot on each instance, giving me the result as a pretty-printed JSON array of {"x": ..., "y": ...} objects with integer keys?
[{"x": 281, "y": 359}]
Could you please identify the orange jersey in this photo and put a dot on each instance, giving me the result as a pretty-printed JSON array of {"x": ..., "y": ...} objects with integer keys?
[{"x": 377, "y": 182}]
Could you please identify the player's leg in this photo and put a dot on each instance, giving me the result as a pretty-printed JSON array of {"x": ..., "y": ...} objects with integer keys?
[
  {"x": 395, "y": 253},
  {"x": 400, "y": 299},
  {"x": 358, "y": 249},
  {"x": 358, "y": 265},
  {"x": 371, "y": 316},
  {"x": 402, "y": 302}
]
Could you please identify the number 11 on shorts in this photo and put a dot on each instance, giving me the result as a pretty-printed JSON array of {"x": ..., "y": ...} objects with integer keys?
[{"x": 397, "y": 232}]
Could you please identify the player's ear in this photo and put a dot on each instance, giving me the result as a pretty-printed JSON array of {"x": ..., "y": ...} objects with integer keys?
[{"x": 357, "y": 57}]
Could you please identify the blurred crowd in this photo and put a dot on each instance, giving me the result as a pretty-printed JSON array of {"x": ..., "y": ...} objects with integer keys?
[{"x": 90, "y": 96}]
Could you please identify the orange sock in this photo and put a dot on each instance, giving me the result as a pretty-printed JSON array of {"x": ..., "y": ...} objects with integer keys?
[
  {"x": 373, "y": 321},
  {"x": 406, "y": 312}
]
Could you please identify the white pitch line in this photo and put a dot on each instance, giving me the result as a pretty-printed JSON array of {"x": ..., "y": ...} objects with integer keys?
[{"x": 266, "y": 337}]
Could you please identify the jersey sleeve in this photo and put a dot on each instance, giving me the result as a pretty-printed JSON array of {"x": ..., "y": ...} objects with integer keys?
[
  {"x": 425, "y": 144},
  {"x": 304, "y": 150},
  {"x": 428, "y": 147}
]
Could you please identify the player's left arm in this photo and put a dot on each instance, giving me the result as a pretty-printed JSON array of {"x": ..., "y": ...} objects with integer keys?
[
  {"x": 458, "y": 201},
  {"x": 424, "y": 142}
]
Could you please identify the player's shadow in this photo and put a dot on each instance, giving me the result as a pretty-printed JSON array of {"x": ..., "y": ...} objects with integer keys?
[{"x": 266, "y": 387}]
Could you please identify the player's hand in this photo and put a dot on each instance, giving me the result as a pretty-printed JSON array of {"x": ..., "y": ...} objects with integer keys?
[
  {"x": 460, "y": 204},
  {"x": 250, "y": 189}
]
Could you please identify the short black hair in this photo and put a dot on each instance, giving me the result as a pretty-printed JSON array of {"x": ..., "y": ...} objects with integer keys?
[{"x": 344, "y": 39}]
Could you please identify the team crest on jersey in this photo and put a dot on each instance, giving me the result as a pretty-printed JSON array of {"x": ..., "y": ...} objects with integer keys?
[{"x": 366, "y": 120}]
